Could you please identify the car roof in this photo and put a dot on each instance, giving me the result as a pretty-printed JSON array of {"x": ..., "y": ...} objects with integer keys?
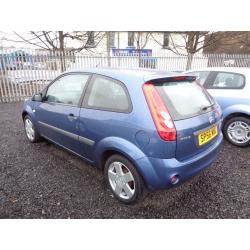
[
  {"x": 124, "y": 74},
  {"x": 242, "y": 70}
]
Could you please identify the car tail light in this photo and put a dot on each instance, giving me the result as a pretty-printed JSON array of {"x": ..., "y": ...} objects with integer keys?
[{"x": 162, "y": 119}]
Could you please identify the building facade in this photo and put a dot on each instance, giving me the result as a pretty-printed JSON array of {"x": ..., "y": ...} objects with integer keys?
[{"x": 159, "y": 43}]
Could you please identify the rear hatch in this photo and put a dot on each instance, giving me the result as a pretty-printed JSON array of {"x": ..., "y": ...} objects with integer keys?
[{"x": 195, "y": 114}]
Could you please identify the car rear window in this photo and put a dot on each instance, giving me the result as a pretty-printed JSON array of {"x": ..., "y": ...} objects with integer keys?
[{"x": 184, "y": 99}]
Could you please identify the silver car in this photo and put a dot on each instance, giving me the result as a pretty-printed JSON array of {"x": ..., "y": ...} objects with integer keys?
[{"x": 230, "y": 87}]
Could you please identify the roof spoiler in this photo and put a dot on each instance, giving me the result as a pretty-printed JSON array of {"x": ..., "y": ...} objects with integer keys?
[{"x": 174, "y": 78}]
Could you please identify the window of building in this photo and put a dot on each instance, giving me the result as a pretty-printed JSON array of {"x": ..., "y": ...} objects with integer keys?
[
  {"x": 131, "y": 38},
  {"x": 91, "y": 39},
  {"x": 165, "y": 39},
  {"x": 112, "y": 39}
]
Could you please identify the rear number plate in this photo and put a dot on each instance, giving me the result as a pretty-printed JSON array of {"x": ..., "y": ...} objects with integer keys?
[{"x": 207, "y": 135}]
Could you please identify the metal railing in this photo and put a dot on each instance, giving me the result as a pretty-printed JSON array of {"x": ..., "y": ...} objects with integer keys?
[{"x": 25, "y": 72}]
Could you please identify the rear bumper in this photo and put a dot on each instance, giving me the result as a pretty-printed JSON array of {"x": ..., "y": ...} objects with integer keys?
[{"x": 157, "y": 172}]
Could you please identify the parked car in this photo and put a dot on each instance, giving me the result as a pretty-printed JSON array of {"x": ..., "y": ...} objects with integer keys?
[
  {"x": 140, "y": 127},
  {"x": 231, "y": 89},
  {"x": 27, "y": 65},
  {"x": 11, "y": 65}
]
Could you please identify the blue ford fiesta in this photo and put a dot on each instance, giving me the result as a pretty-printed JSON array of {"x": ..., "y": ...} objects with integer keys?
[{"x": 143, "y": 128}]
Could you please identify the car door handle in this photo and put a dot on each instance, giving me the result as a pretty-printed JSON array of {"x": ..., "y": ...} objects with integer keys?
[{"x": 72, "y": 117}]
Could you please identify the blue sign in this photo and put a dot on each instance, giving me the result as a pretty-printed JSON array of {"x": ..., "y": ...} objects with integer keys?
[{"x": 131, "y": 52}]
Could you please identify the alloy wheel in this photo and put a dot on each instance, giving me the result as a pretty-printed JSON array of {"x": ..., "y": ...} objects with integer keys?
[
  {"x": 29, "y": 129},
  {"x": 121, "y": 180},
  {"x": 239, "y": 132}
]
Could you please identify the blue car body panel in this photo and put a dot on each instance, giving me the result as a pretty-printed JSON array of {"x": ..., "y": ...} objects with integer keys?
[
  {"x": 232, "y": 101},
  {"x": 57, "y": 117},
  {"x": 93, "y": 132},
  {"x": 159, "y": 171},
  {"x": 237, "y": 108}
]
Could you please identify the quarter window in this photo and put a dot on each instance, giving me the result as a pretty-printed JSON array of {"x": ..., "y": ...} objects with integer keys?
[
  {"x": 226, "y": 80},
  {"x": 201, "y": 76},
  {"x": 67, "y": 89},
  {"x": 108, "y": 94}
]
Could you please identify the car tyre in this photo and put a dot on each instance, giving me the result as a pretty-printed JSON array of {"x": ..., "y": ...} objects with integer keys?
[
  {"x": 31, "y": 130},
  {"x": 123, "y": 179},
  {"x": 237, "y": 131}
]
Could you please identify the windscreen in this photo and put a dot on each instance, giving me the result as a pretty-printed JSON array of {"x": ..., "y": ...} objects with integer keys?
[{"x": 184, "y": 99}]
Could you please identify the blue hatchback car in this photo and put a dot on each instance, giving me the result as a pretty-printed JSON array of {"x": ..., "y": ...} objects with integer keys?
[{"x": 143, "y": 128}]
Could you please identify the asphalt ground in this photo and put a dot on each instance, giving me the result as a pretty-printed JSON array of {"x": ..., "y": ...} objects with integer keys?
[{"x": 44, "y": 181}]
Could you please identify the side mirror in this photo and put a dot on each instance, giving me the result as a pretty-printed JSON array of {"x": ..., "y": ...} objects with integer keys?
[{"x": 37, "y": 97}]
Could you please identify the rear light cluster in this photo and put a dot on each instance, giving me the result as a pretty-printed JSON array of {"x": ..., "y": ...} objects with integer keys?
[{"x": 162, "y": 119}]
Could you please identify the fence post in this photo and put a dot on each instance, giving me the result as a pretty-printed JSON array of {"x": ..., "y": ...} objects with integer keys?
[{"x": 4, "y": 77}]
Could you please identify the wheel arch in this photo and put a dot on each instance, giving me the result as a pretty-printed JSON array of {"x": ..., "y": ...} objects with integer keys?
[
  {"x": 24, "y": 113},
  {"x": 109, "y": 145},
  {"x": 28, "y": 109},
  {"x": 108, "y": 153},
  {"x": 115, "y": 145},
  {"x": 232, "y": 115}
]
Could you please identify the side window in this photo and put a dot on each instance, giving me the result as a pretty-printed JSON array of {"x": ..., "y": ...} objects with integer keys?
[
  {"x": 67, "y": 89},
  {"x": 227, "y": 80},
  {"x": 201, "y": 76},
  {"x": 108, "y": 94}
]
